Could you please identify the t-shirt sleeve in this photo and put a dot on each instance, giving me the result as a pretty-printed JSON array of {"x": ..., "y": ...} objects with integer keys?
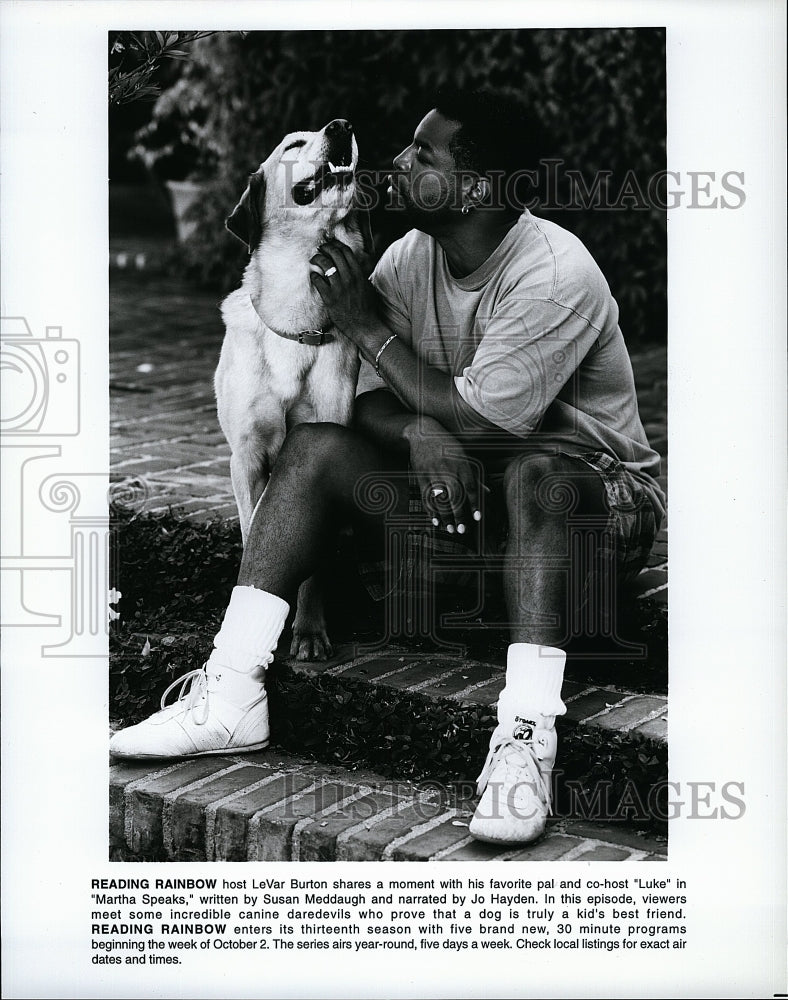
[
  {"x": 529, "y": 351},
  {"x": 393, "y": 312}
]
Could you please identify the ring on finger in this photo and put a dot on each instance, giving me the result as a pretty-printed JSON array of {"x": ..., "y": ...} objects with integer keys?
[{"x": 329, "y": 272}]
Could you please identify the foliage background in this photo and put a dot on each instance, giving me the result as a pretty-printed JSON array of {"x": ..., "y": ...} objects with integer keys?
[{"x": 600, "y": 93}]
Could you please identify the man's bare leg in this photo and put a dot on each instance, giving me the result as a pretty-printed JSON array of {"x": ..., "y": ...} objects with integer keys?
[
  {"x": 311, "y": 493},
  {"x": 223, "y": 707},
  {"x": 542, "y": 493}
]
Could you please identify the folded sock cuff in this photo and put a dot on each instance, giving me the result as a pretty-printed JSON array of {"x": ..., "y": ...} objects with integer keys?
[
  {"x": 252, "y": 624},
  {"x": 534, "y": 677}
]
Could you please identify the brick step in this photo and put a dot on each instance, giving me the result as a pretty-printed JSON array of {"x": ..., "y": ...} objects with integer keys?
[
  {"x": 418, "y": 694},
  {"x": 271, "y": 806},
  {"x": 467, "y": 682}
]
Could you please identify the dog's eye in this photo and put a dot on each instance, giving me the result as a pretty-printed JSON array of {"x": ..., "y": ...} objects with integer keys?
[{"x": 295, "y": 145}]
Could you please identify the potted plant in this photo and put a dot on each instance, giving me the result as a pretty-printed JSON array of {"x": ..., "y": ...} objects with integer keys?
[{"x": 175, "y": 145}]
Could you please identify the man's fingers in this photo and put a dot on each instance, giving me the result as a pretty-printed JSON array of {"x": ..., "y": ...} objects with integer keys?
[
  {"x": 341, "y": 257},
  {"x": 477, "y": 508},
  {"x": 322, "y": 285},
  {"x": 339, "y": 250},
  {"x": 451, "y": 498},
  {"x": 434, "y": 496},
  {"x": 325, "y": 267},
  {"x": 321, "y": 261},
  {"x": 459, "y": 512},
  {"x": 436, "y": 501},
  {"x": 466, "y": 507},
  {"x": 446, "y": 501},
  {"x": 472, "y": 504}
]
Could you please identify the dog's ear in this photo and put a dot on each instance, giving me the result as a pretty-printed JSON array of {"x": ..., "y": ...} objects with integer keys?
[{"x": 246, "y": 220}]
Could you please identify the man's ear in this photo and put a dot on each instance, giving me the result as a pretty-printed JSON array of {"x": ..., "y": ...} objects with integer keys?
[
  {"x": 246, "y": 220},
  {"x": 480, "y": 191}
]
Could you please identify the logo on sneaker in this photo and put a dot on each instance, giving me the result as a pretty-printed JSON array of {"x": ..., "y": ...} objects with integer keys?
[{"x": 524, "y": 730}]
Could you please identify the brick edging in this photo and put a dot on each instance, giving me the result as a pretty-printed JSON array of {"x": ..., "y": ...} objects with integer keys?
[{"x": 274, "y": 807}]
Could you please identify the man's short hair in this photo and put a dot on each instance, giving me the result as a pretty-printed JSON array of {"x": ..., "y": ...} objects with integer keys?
[{"x": 498, "y": 136}]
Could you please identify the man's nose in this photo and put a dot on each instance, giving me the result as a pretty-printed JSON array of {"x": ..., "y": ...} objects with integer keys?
[{"x": 402, "y": 160}]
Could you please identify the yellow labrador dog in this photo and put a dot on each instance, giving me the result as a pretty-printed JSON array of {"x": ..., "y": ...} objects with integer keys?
[{"x": 281, "y": 362}]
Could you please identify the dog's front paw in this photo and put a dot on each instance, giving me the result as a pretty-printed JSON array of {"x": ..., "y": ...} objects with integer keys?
[{"x": 310, "y": 643}]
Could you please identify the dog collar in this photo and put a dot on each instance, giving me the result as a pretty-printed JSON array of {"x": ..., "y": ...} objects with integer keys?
[{"x": 312, "y": 338}]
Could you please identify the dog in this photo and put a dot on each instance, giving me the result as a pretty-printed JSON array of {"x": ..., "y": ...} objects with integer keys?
[{"x": 280, "y": 362}]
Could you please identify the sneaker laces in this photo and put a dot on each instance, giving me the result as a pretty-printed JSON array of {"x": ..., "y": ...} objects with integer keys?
[
  {"x": 517, "y": 756},
  {"x": 194, "y": 688},
  {"x": 192, "y": 692}
]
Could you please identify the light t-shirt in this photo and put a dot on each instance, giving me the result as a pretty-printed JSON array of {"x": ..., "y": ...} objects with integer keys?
[{"x": 531, "y": 338}]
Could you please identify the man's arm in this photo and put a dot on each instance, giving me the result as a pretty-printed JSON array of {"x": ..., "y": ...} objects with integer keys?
[
  {"x": 422, "y": 388},
  {"x": 449, "y": 482},
  {"x": 380, "y": 416},
  {"x": 425, "y": 389}
]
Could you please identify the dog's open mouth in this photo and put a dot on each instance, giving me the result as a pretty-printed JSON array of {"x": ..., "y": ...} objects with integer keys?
[{"x": 336, "y": 171}]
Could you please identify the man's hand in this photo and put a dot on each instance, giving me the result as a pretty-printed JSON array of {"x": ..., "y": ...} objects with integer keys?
[
  {"x": 449, "y": 482},
  {"x": 347, "y": 294},
  {"x": 351, "y": 301}
]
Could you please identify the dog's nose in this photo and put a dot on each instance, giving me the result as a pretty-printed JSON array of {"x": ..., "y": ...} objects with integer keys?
[{"x": 338, "y": 126}]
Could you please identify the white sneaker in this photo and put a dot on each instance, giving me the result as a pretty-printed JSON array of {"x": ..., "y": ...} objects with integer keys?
[
  {"x": 515, "y": 784},
  {"x": 199, "y": 722}
]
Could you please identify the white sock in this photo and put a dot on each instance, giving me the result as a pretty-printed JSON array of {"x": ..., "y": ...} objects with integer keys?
[
  {"x": 245, "y": 644},
  {"x": 534, "y": 675}
]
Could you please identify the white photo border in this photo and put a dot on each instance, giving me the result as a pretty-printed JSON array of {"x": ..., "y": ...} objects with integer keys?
[{"x": 726, "y": 85}]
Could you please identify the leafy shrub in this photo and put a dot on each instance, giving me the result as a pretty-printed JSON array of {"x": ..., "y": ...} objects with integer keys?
[
  {"x": 600, "y": 93},
  {"x": 339, "y": 720},
  {"x": 168, "y": 568}
]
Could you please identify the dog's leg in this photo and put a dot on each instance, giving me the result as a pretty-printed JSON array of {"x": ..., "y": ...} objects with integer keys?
[
  {"x": 310, "y": 639},
  {"x": 250, "y": 470},
  {"x": 247, "y": 492}
]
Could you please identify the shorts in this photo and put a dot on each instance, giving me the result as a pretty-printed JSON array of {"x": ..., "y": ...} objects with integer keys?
[{"x": 419, "y": 558}]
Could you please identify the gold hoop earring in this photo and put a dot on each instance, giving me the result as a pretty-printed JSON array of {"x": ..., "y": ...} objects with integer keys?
[{"x": 465, "y": 208}]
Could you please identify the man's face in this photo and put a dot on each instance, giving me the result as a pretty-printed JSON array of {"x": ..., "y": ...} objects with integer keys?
[{"x": 427, "y": 183}]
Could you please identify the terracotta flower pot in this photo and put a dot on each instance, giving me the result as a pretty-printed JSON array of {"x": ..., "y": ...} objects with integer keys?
[{"x": 184, "y": 194}]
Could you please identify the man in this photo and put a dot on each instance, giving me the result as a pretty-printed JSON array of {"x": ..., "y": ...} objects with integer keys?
[{"x": 493, "y": 367}]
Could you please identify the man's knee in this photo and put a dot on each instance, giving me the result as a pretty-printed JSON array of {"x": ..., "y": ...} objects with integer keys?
[
  {"x": 541, "y": 487},
  {"x": 312, "y": 447}
]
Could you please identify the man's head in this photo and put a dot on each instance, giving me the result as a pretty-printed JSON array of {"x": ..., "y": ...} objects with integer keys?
[{"x": 466, "y": 155}]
